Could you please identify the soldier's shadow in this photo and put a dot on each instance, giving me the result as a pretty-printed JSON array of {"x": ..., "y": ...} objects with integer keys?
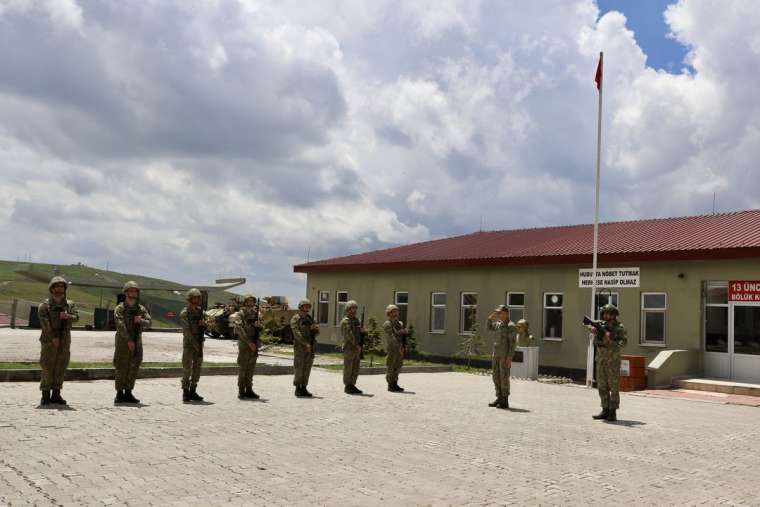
[
  {"x": 257, "y": 400},
  {"x": 406, "y": 392},
  {"x": 519, "y": 410},
  {"x": 131, "y": 405},
  {"x": 202, "y": 403},
  {"x": 312, "y": 397},
  {"x": 626, "y": 423},
  {"x": 364, "y": 395},
  {"x": 60, "y": 408}
]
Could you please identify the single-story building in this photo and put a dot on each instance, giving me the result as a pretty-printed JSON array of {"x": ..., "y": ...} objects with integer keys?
[{"x": 688, "y": 290}]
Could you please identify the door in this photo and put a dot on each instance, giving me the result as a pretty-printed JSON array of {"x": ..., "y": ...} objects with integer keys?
[{"x": 744, "y": 342}]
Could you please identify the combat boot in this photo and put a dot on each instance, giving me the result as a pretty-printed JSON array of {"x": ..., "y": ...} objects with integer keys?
[
  {"x": 56, "y": 397},
  {"x": 602, "y": 415},
  {"x": 503, "y": 402},
  {"x": 494, "y": 403},
  {"x": 194, "y": 396},
  {"x": 399, "y": 389},
  {"x": 185, "y": 395},
  {"x": 357, "y": 390},
  {"x": 612, "y": 415},
  {"x": 298, "y": 392},
  {"x": 241, "y": 393},
  {"x": 45, "y": 397},
  {"x": 351, "y": 389},
  {"x": 250, "y": 394},
  {"x": 119, "y": 396},
  {"x": 129, "y": 398},
  {"x": 305, "y": 393}
]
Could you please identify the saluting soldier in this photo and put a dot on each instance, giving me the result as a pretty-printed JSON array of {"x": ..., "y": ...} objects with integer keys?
[
  {"x": 246, "y": 323},
  {"x": 193, "y": 324},
  {"x": 132, "y": 319},
  {"x": 305, "y": 332},
  {"x": 608, "y": 346},
  {"x": 504, "y": 346},
  {"x": 353, "y": 338},
  {"x": 57, "y": 314},
  {"x": 395, "y": 339}
]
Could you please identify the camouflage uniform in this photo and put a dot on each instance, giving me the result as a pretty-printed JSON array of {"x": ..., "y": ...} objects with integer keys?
[
  {"x": 304, "y": 335},
  {"x": 608, "y": 365},
  {"x": 127, "y": 363},
  {"x": 504, "y": 346},
  {"x": 350, "y": 330},
  {"x": 246, "y": 324},
  {"x": 192, "y": 347},
  {"x": 54, "y": 361},
  {"x": 394, "y": 339}
]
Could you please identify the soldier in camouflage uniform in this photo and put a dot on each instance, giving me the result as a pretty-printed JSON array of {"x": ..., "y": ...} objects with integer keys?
[
  {"x": 608, "y": 347},
  {"x": 395, "y": 339},
  {"x": 132, "y": 319},
  {"x": 353, "y": 338},
  {"x": 305, "y": 332},
  {"x": 504, "y": 346},
  {"x": 247, "y": 326},
  {"x": 57, "y": 314},
  {"x": 193, "y": 328}
]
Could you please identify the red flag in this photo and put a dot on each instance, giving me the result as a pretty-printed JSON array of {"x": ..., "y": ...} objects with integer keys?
[{"x": 598, "y": 77}]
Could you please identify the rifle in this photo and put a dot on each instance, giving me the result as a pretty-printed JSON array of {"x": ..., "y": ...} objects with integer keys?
[
  {"x": 601, "y": 329},
  {"x": 361, "y": 336},
  {"x": 312, "y": 332},
  {"x": 130, "y": 312}
]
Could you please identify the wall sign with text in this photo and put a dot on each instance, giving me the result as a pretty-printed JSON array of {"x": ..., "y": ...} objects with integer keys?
[
  {"x": 746, "y": 291},
  {"x": 610, "y": 278}
]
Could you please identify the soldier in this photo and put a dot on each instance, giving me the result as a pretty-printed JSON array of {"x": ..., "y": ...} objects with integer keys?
[
  {"x": 395, "y": 338},
  {"x": 524, "y": 338},
  {"x": 247, "y": 327},
  {"x": 57, "y": 314},
  {"x": 132, "y": 319},
  {"x": 353, "y": 338},
  {"x": 504, "y": 346},
  {"x": 193, "y": 329},
  {"x": 305, "y": 332},
  {"x": 608, "y": 347}
]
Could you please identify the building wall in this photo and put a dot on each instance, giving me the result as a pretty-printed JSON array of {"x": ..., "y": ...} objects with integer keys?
[{"x": 683, "y": 320}]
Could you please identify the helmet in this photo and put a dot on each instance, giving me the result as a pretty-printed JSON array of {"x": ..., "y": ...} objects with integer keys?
[
  {"x": 192, "y": 293},
  {"x": 352, "y": 304},
  {"x": 130, "y": 285},
  {"x": 501, "y": 308},
  {"x": 303, "y": 302},
  {"x": 246, "y": 297},
  {"x": 609, "y": 307},
  {"x": 390, "y": 308},
  {"x": 56, "y": 280}
]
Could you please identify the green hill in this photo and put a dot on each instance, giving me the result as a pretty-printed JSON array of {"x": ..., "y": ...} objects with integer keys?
[{"x": 27, "y": 282}]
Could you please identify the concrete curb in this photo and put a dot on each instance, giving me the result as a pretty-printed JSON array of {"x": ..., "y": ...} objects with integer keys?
[
  {"x": 108, "y": 373},
  {"x": 380, "y": 370}
]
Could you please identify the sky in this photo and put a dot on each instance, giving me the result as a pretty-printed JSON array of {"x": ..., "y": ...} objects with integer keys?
[{"x": 189, "y": 139}]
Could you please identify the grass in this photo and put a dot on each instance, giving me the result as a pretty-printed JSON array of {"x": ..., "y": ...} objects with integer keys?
[{"x": 28, "y": 365}]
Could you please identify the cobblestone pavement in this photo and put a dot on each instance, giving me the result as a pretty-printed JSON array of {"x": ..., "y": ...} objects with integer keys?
[
  {"x": 24, "y": 345},
  {"x": 440, "y": 445}
]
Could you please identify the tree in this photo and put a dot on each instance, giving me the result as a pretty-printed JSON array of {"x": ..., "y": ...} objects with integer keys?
[
  {"x": 372, "y": 342},
  {"x": 471, "y": 345},
  {"x": 411, "y": 341}
]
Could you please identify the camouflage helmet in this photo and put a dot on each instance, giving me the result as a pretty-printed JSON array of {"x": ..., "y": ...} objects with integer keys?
[
  {"x": 390, "y": 308},
  {"x": 56, "y": 280},
  {"x": 609, "y": 307},
  {"x": 192, "y": 293},
  {"x": 352, "y": 304},
  {"x": 248, "y": 296},
  {"x": 130, "y": 285},
  {"x": 501, "y": 308},
  {"x": 303, "y": 302}
]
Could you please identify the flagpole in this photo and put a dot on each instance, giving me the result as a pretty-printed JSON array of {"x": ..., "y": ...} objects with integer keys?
[{"x": 590, "y": 361}]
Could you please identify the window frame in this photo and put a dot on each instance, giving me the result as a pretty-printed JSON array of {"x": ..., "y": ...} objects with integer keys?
[
  {"x": 642, "y": 321},
  {"x": 338, "y": 317},
  {"x": 462, "y": 308},
  {"x": 705, "y": 305},
  {"x": 522, "y": 307},
  {"x": 433, "y": 307},
  {"x": 561, "y": 308},
  {"x": 319, "y": 302},
  {"x": 405, "y": 313},
  {"x": 598, "y": 307}
]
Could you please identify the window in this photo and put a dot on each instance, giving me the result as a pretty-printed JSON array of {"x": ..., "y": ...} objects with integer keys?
[
  {"x": 653, "y": 306},
  {"x": 401, "y": 299},
  {"x": 516, "y": 305},
  {"x": 468, "y": 317},
  {"x": 341, "y": 298},
  {"x": 323, "y": 307},
  {"x": 553, "y": 316},
  {"x": 716, "y": 316},
  {"x": 603, "y": 299},
  {"x": 438, "y": 312}
]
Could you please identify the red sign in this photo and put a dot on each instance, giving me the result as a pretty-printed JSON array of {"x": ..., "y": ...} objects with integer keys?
[
  {"x": 745, "y": 291},
  {"x": 170, "y": 315}
]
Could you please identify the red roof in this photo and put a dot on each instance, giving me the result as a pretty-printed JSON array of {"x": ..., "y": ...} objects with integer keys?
[{"x": 720, "y": 236}]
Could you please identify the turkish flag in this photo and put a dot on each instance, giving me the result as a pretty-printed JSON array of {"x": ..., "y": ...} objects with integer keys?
[{"x": 598, "y": 77}]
